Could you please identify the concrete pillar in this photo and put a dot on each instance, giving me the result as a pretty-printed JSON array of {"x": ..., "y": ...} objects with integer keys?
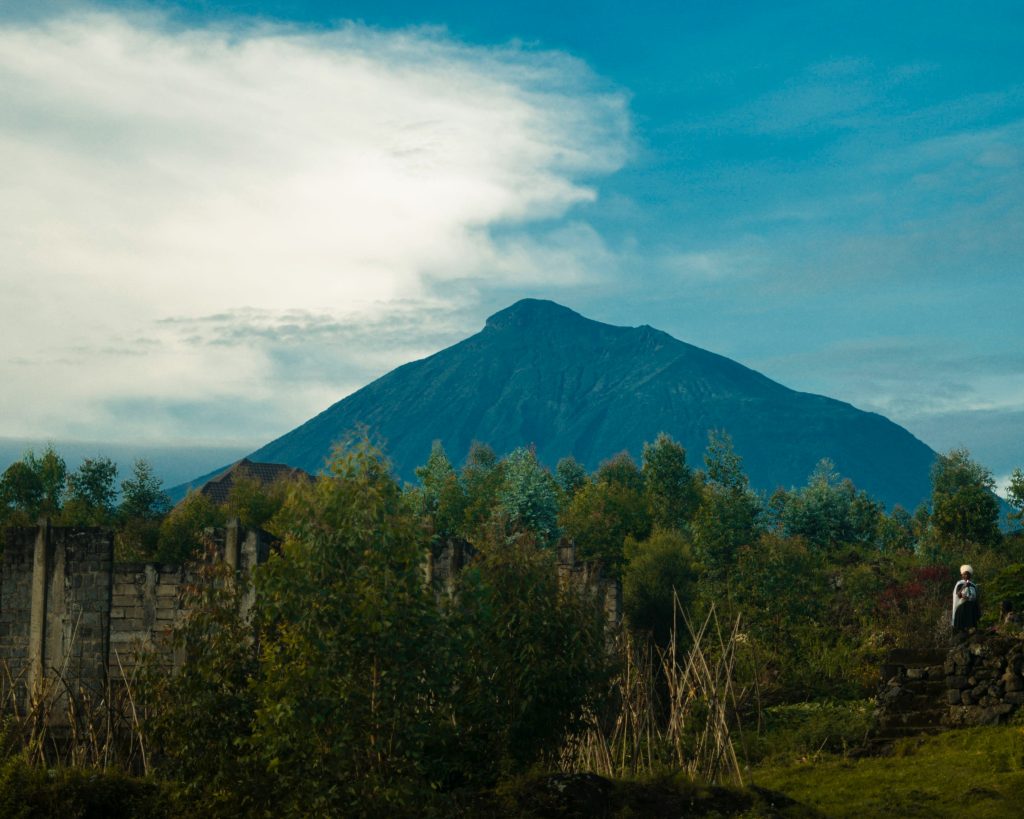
[
  {"x": 37, "y": 613},
  {"x": 232, "y": 543}
]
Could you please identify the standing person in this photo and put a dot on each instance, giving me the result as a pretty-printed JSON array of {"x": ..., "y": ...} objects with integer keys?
[{"x": 966, "y": 611}]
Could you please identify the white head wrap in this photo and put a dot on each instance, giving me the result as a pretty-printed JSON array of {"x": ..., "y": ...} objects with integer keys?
[{"x": 967, "y": 568}]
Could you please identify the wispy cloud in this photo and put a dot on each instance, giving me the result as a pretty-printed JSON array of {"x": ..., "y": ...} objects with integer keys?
[{"x": 301, "y": 185}]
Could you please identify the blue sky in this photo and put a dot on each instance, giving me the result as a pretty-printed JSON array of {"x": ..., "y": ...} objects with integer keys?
[{"x": 218, "y": 218}]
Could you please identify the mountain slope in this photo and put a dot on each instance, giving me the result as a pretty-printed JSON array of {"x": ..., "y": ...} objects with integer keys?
[{"x": 540, "y": 373}]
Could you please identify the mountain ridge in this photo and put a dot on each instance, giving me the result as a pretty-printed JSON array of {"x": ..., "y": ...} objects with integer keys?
[{"x": 540, "y": 373}]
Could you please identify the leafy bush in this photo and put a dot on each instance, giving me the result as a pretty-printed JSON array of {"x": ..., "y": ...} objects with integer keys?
[
  {"x": 803, "y": 730},
  {"x": 31, "y": 792}
]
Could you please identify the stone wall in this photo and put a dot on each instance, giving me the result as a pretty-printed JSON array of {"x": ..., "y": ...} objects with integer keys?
[
  {"x": 978, "y": 681},
  {"x": 985, "y": 679}
]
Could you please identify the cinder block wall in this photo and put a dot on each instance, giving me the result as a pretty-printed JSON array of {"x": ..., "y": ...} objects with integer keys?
[
  {"x": 145, "y": 604},
  {"x": 72, "y": 619},
  {"x": 15, "y": 611}
]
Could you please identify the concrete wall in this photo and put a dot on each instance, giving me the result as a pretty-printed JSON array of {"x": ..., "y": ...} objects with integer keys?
[{"x": 73, "y": 620}]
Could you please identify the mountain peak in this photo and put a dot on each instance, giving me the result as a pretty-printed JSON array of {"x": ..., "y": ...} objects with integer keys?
[
  {"x": 529, "y": 312},
  {"x": 542, "y": 374}
]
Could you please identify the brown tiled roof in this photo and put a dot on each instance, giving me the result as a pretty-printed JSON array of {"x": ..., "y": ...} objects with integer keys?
[{"x": 217, "y": 489}]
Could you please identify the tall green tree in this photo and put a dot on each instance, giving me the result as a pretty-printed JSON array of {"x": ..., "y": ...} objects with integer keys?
[
  {"x": 829, "y": 511},
  {"x": 181, "y": 532},
  {"x": 142, "y": 494},
  {"x": 353, "y": 649},
  {"x": 53, "y": 475},
  {"x": 729, "y": 514},
  {"x": 143, "y": 505},
  {"x": 669, "y": 485},
  {"x": 21, "y": 494},
  {"x": 964, "y": 506},
  {"x": 482, "y": 476},
  {"x": 441, "y": 497},
  {"x": 570, "y": 476},
  {"x": 658, "y": 570},
  {"x": 530, "y": 660},
  {"x": 528, "y": 498},
  {"x": 32, "y": 487},
  {"x": 1015, "y": 495},
  {"x": 606, "y": 511},
  {"x": 92, "y": 493}
]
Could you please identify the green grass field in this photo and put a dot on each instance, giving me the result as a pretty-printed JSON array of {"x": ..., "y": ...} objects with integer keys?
[{"x": 974, "y": 773}]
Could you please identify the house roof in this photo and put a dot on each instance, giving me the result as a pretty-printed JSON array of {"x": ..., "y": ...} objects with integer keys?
[{"x": 217, "y": 489}]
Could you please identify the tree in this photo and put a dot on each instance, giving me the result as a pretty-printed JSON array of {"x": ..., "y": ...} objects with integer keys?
[
  {"x": 53, "y": 475},
  {"x": 606, "y": 511},
  {"x": 657, "y": 570},
  {"x": 142, "y": 495},
  {"x": 570, "y": 476},
  {"x": 482, "y": 477},
  {"x": 21, "y": 494},
  {"x": 896, "y": 531},
  {"x": 91, "y": 493},
  {"x": 440, "y": 496},
  {"x": 964, "y": 507},
  {"x": 363, "y": 692},
  {"x": 181, "y": 532},
  {"x": 353, "y": 648},
  {"x": 200, "y": 713},
  {"x": 829, "y": 512},
  {"x": 253, "y": 502},
  {"x": 1015, "y": 495},
  {"x": 530, "y": 658},
  {"x": 622, "y": 470},
  {"x": 672, "y": 494},
  {"x": 528, "y": 498},
  {"x": 32, "y": 487},
  {"x": 729, "y": 513},
  {"x": 143, "y": 504}
]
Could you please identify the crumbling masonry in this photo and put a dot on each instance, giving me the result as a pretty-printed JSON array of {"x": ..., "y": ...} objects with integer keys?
[{"x": 72, "y": 617}]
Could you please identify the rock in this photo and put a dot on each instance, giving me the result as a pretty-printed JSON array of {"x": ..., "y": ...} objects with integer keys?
[{"x": 956, "y": 682}]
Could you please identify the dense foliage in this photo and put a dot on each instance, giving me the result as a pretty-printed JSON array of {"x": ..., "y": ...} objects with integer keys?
[{"x": 352, "y": 685}]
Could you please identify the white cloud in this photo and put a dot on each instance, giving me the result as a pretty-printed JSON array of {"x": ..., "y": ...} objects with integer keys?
[{"x": 152, "y": 172}]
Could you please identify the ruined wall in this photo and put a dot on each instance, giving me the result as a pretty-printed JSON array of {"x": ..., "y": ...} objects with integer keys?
[
  {"x": 979, "y": 681},
  {"x": 16, "y": 572},
  {"x": 54, "y": 609},
  {"x": 73, "y": 620},
  {"x": 145, "y": 605},
  {"x": 985, "y": 679}
]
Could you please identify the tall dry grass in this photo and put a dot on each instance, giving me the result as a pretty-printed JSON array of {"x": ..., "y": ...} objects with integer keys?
[
  {"x": 670, "y": 709},
  {"x": 60, "y": 721}
]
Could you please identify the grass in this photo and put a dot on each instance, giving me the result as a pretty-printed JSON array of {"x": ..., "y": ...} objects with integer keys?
[{"x": 977, "y": 772}]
